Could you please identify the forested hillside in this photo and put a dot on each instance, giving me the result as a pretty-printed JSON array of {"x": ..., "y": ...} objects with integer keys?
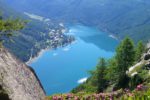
[
  {"x": 127, "y": 17},
  {"x": 37, "y": 34},
  {"x": 126, "y": 76},
  {"x": 26, "y": 29}
]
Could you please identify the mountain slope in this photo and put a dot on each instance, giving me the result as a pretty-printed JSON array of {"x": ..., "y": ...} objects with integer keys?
[
  {"x": 120, "y": 17},
  {"x": 17, "y": 79},
  {"x": 39, "y": 33}
]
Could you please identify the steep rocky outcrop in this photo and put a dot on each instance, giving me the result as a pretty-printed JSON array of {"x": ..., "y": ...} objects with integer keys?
[
  {"x": 144, "y": 63},
  {"x": 17, "y": 80}
]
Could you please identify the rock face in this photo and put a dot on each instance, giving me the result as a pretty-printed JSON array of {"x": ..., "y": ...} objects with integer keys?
[
  {"x": 147, "y": 57},
  {"x": 18, "y": 80}
]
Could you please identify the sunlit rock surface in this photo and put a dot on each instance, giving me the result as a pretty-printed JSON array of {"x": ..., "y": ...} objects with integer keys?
[{"x": 18, "y": 80}]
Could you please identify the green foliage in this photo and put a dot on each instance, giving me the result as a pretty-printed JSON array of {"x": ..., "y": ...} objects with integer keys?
[
  {"x": 97, "y": 82},
  {"x": 121, "y": 18},
  {"x": 125, "y": 57},
  {"x": 111, "y": 71},
  {"x": 136, "y": 69},
  {"x": 139, "y": 50},
  {"x": 142, "y": 76},
  {"x": 100, "y": 75},
  {"x": 125, "y": 54},
  {"x": 111, "y": 74},
  {"x": 141, "y": 95},
  {"x": 135, "y": 80},
  {"x": 85, "y": 87},
  {"x": 35, "y": 36},
  {"x": 116, "y": 95},
  {"x": 98, "y": 79},
  {"x": 7, "y": 27},
  {"x": 79, "y": 88}
]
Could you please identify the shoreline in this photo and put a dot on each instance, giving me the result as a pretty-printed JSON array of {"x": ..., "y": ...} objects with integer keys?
[
  {"x": 110, "y": 34},
  {"x": 40, "y": 53},
  {"x": 113, "y": 36}
]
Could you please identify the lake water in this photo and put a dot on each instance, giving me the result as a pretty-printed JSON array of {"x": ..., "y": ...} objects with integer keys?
[{"x": 63, "y": 69}]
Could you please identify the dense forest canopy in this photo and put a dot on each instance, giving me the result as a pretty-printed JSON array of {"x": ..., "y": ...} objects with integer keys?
[{"x": 132, "y": 16}]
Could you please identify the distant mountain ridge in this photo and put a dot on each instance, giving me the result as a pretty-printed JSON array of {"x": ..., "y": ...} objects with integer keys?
[{"x": 120, "y": 17}]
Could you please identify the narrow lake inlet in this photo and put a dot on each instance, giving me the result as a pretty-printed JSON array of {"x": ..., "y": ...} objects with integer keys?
[{"x": 63, "y": 69}]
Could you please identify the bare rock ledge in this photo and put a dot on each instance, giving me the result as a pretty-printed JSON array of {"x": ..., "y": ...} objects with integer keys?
[{"x": 18, "y": 80}]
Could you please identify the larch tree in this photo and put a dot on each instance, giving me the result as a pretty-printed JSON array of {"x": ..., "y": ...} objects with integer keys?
[
  {"x": 125, "y": 57},
  {"x": 100, "y": 71},
  {"x": 139, "y": 50}
]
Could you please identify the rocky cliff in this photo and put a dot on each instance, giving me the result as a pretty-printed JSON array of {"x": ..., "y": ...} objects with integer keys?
[{"x": 17, "y": 80}]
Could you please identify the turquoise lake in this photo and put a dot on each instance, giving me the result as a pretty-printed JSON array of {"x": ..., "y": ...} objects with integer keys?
[{"x": 63, "y": 69}]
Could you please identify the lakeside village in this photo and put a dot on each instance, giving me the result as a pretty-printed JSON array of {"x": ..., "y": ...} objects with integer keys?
[{"x": 52, "y": 39}]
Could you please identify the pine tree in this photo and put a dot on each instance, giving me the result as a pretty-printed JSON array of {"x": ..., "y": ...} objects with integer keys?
[
  {"x": 139, "y": 50},
  {"x": 125, "y": 56},
  {"x": 101, "y": 81},
  {"x": 111, "y": 72}
]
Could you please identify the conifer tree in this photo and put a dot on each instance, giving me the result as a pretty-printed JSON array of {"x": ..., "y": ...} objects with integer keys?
[
  {"x": 101, "y": 81},
  {"x": 125, "y": 56},
  {"x": 139, "y": 50}
]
